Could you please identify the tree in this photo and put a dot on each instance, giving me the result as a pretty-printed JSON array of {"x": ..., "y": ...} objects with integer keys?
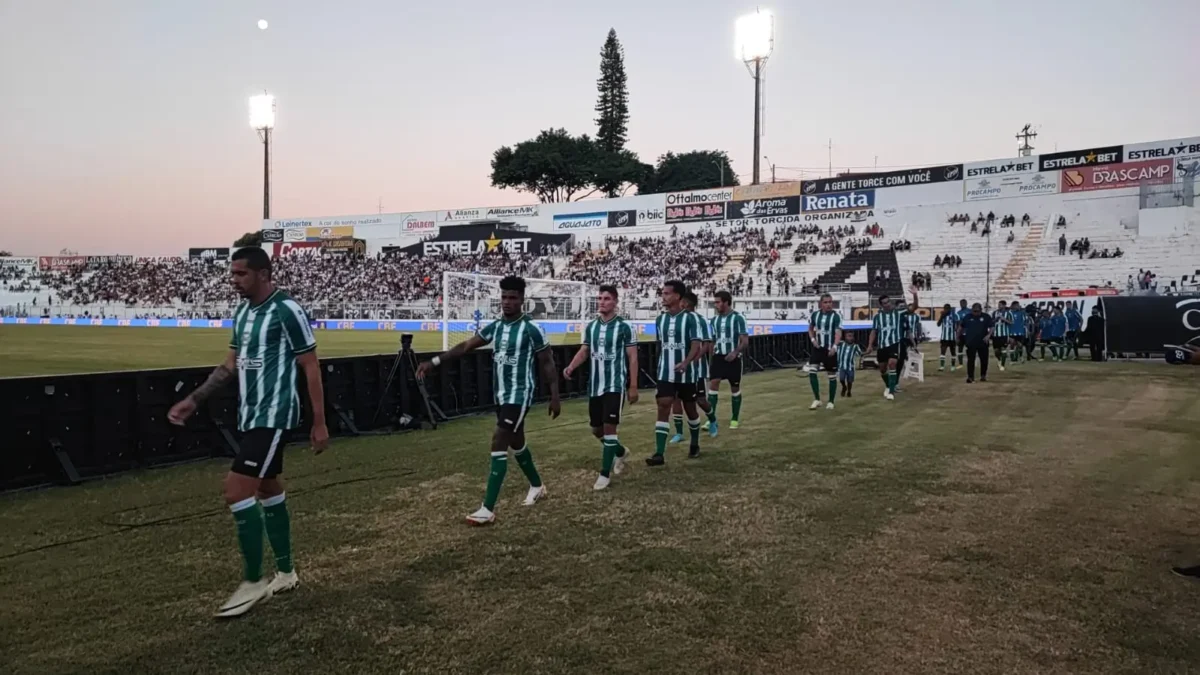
[
  {"x": 696, "y": 170},
  {"x": 612, "y": 104},
  {"x": 253, "y": 238},
  {"x": 6, "y": 254}
]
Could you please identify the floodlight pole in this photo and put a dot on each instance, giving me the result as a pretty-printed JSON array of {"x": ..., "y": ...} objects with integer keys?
[
  {"x": 266, "y": 139},
  {"x": 757, "y": 115}
]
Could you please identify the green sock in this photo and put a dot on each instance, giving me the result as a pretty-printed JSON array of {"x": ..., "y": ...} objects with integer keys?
[
  {"x": 816, "y": 386},
  {"x": 712, "y": 404},
  {"x": 678, "y": 424},
  {"x": 495, "y": 479},
  {"x": 737, "y": 405},
  {"x": 621, "y": 450},
  {"x": 611, "y": 446},
  {"x": 711, "y": 415},
  {"x": 832, "y": 388},
  {"x": 249, "y": 519},
  {"x": 941, "y": 362},
  {"x": 694, "y": 428},
  {"x": 661, "y": 431},
  {"x": 893, "y": 379},
  {"x": 279, "y": 530},
  {"x": 525, "y": 461}
]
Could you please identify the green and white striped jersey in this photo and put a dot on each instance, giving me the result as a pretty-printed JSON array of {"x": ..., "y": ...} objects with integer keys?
[
  {"x": 676, "y": 333},
  {"x": 514, "y": 344},
  {"x": 887, "y": 326},
  {"x": 847, "y": 355},
  {"x": 1002, "y": 326},
  {"x": 949, "y": 326},
  {"x": 606, "y": 342},
  {"x": 267, "y": 339},
  {"x": 705, "y": 336},
  {"x": 912, "y": 325},
  {"x": 823, "y": 328},
  {"x": 727, "y": 328}
]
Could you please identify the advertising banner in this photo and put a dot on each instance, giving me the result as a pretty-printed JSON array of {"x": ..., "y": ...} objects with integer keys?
[
  {"x": 214, "y": 254},
  {"x": 272, "y": 234},
  {"x": 697, "y": 197},
  {"x": 336, "y": 232},
  {"x": 1000, "y": 167},
  {"x": 651, "y": 216},
  {"x": 295, "y": 248},
  {"x": 460, "y": 215},
  {"x": 294, "y": 234},
  {"x": 1128, "y": 174},
  {"x": 839, "y": 201},
  {"x": 580, "y": 221},
  {"x": 419, "y": 223},
  {"x": 1185, "y": 152},
  {"x": 344, "y": 245},
  {"x": 61, "y": 262},
  {"x": 622, "y": 218},
  {"x": 1147, "y": 323},
  {"x": 284, "y": 224},
  {"x": 95, "y": 262},
  {"x": 759, "y": 208},
  {"x": 1111, "y": 154},
  {"x": 9, "y": 261},
  {"x": 1005, "y": 186},
  {"x": 507, "y": 212},
  {"x": 743, "y": 193},
  {"x": 696, "y": 213},
  {"x": 481, "y": 239},
  {"x": 869, "y": 181}
]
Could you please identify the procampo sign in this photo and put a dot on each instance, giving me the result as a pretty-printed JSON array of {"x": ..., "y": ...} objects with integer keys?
[
  {"x": 1128, "y": 174},
  {"x": 1005, "y": 186}
]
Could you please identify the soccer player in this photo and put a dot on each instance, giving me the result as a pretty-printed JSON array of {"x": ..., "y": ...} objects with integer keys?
[
  {"x": 1016, "y": 338},
  {"x": 963, "y": 311},
  {"x": 948, "y": 322},
  {"x": 848, "y": 354},
  {"x": 1074, "y": 325},
  {"x": 975, "y": 330},
  {"x": 612, "y": 346},
  {"x": 911, "y": 323},
  {"x": 1044, "y": 332},
  {"x": 1058, "y": 330},
  {"x": 1000, "y": 331},
  {"x": 825, "y": 332},
  {"x": 886, "y": 331},
  {"x": 690, "y": 303},
  {"x": 680, "y": 346},
  {"x": 730, "y": 340},
  {"x": 272, "y": 340},
  {"x": 516, "y": 341}
]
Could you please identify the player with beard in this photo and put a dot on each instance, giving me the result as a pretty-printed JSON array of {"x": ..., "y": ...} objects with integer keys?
[{"x": 517, "y": 342}]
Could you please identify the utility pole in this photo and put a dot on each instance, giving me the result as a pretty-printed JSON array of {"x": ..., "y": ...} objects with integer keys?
[
  {"x": 1025, "y": 149},
  {"x": 381, "y": 205},
  {"x": 831, "y": 158}
]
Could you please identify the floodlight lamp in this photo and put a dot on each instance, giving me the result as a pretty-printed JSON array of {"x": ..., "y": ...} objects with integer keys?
[
  {"x": 754, "y": 36},
  {"x": 262, "y": 111}
]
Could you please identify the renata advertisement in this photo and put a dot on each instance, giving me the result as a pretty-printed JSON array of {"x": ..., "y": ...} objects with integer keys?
[{"x": 1110, "y": 176}]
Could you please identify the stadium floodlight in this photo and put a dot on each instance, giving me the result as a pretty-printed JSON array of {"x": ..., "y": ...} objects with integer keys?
[
  {"x": 262, "y": 120},
  {"x": 754, "y": 40}
]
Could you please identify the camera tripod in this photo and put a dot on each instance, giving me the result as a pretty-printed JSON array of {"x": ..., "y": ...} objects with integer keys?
[{"x": 407, "y": 358}]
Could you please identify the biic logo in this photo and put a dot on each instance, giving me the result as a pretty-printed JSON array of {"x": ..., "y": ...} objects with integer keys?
[{"x": 840, "y": 201}]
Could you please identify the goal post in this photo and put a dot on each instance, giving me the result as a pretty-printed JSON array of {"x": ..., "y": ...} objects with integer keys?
[{"x": 470, "y": 301}]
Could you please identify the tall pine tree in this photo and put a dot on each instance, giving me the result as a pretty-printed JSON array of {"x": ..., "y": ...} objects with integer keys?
[{"x": 612, "y": 104}]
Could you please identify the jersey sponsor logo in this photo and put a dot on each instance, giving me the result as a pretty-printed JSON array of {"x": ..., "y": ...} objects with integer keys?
[
  {"x": 842, "y": 201},
  {"x": 249, "y": 363},
  {"x": 1111, "y": 154}
]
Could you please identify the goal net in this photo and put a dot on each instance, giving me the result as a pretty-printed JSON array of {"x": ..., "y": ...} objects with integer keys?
[{"x": 470, "y": 301}]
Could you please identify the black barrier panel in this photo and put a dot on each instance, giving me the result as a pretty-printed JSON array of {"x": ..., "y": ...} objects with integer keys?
[
  {"x": 90, "y": 425},
  {"x": 1141, "y": 323}
]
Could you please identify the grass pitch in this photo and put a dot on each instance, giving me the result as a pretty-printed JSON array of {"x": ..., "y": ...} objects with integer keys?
[
  {"x": 50, "y": 350},
  {"x": 1021, "y": 526}
]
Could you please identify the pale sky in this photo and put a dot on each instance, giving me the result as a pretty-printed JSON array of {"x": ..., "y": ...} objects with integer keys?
[{"x": 123, "y": 123}]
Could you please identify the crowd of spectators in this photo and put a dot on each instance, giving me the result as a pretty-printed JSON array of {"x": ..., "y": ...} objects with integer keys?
[
  {"x": 947, "y": 260},
  {"x": 923, "y": 281},
  {"x": 901, "y": 245}
]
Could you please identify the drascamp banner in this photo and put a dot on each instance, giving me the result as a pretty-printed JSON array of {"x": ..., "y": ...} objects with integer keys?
[
  {"x": 1144, "y": 323},
  {"x": 933, "y": 174},
  {"x": 1128, "y": 174},
  {"x": 1006, "y": 186}
]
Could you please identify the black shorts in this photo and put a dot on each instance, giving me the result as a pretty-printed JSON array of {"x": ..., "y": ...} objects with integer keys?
[
  {"x": 605, "y": 409},
  {"x": 730, "y": 371},
  {"x": 1071, "y": 336},
  {"x": 886, "y": 354},
  {"x": 684, "y": 391},
  {"x": 511, "y": 417},
  {"x": 260, "y": 453},
  {"x": 948, "y": 344},
  {"x": 824, "y": 358},
  {"x": 999, "y": 342}
]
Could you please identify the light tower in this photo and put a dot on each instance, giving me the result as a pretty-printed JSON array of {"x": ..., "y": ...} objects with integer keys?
[
  {"x": 754, "y": 40},
  {"x": 1025, "y": 149},
  {"x": 262, "y": 120}
]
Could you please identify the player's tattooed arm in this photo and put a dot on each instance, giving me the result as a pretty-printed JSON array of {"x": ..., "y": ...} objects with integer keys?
[{"x": 220, "y": 377}]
